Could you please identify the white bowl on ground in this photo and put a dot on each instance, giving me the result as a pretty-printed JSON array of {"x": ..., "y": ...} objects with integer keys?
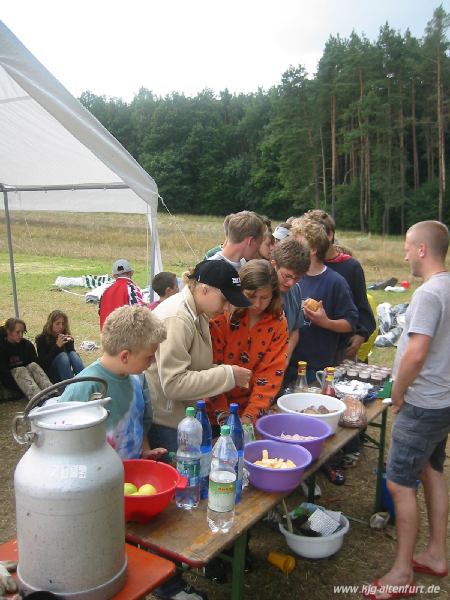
[
  {"x": 295, "y": 403},
  {"x": 316, "y": 547}
]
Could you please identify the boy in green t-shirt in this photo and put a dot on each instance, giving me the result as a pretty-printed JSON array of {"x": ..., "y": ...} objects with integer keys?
[{"x": 130, "y": 337}]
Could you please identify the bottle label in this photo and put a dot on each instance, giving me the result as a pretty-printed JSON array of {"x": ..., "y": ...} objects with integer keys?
[
  {"x": 222, "y": 494},
  {"x": 249, "y": 432},
  {"x": 191, "y": 470}
]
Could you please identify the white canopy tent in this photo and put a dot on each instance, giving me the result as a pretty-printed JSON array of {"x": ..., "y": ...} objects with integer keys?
[{"x": 56, "y": 156}]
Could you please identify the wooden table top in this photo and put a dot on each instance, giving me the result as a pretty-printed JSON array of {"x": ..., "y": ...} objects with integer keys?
[{"x": 185, "y": 536}]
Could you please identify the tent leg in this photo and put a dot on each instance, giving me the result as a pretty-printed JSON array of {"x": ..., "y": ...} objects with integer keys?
[
  {"x": 152, "y": 259},
  {"x": 10, "y": 250}
]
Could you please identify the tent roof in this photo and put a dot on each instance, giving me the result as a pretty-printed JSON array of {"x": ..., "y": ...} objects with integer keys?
[{"x": 49, "y": 139}]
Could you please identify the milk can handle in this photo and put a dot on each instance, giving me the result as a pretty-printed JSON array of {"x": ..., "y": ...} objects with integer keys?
[
  {"x": 22, "y": 417},
  {"x": 44, "y": 393}
]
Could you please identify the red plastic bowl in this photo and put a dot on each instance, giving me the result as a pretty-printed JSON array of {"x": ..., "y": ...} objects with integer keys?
[{"x": 163, "y": 477}]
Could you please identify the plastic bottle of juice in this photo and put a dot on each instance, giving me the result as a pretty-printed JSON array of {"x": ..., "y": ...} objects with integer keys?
[
  {"x": 222, "y": 483},
  {"x": 205, "y": 448},
  {"x": 237, "y": 435},
  {"x": 189, "y": 437}
]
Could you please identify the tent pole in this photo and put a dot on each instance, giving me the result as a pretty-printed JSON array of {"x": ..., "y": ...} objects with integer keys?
[
  {"x": 152, "y": 258},
  {"x": 10, "y": 249}
]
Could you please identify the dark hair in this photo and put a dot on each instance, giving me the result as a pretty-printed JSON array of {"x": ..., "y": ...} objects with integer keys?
[
  {"x": 11, "y": 323},
  {"x": 292, "y": 254},
  {"x": 52, "y": 317},
  {"x": 256, "y": 274},
  {"x": 162, "y": 281}
]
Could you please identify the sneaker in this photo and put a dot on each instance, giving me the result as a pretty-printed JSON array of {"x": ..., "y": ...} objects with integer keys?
[
  {"x": 317, "y": 490},
  {"x": 177, "y": 589}
]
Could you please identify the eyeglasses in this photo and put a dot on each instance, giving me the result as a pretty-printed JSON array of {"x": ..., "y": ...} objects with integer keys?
[{"x": 288, "y": 277}]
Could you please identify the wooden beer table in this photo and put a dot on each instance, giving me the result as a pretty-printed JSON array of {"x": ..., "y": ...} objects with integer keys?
[
  {"x": 184, "y": 536},
  {"x": 145, "y": 571}
]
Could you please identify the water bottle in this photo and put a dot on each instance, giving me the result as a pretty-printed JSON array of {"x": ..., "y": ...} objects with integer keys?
[
  {"x": 222, "y": 483},
  {"x": 205, "y": 448},
  {"x": 237, "y": 435},
  {"x": 189, "y": 436}
]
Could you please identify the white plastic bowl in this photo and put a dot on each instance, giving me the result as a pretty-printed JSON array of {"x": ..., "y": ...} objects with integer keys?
[
  {"x": 316, "y": 547},
  {"x": 295, "y": 403}
]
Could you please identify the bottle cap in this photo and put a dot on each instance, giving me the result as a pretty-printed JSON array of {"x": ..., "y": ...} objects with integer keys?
[
  {"x": 302, "y": 363},
  {"x": 201, "y": 403},
  {"x": 225, "y": 430},
  {"x": 233, "y": 407},
  {"x": 190, "y": 411}
]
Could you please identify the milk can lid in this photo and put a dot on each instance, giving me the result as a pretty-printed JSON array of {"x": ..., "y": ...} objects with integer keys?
[{"x": 66, "y": 416}]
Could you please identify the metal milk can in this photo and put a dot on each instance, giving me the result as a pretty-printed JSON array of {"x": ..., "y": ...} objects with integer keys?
[{"x": 69, "y": 500}]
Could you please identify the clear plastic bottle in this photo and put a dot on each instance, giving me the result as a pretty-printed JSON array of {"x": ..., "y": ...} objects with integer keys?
[
  {"x": 189, "y": 437},
  {"x": 301, "y": 385},
  {"x": 237, "y": 435},
  {"x": 205, "y": 448},
  {"x": 222, "y": 483}
]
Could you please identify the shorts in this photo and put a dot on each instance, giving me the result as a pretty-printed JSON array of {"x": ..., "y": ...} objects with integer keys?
[{"x": 419, "y": 436}]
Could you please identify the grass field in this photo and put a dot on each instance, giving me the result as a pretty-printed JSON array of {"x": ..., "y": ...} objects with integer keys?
[{"x": 47, "y": 245}]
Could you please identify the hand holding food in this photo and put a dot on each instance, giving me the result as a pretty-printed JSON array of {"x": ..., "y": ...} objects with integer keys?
[{"x": 311, "y": 304}]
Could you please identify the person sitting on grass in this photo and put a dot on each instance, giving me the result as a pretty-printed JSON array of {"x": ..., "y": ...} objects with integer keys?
[
  {"x": 130, "y": 338},
  {"x": 19, "y": 370},
  {"x": 255, "y": 338},
  {"x": 56, "y": 350},
  {"x": 165, "y": 284}
]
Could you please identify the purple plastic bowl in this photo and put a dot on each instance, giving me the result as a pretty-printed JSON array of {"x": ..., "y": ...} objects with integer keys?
[
  {"x": 276, "y": 480},
  {"x": 271, "y": 427}
]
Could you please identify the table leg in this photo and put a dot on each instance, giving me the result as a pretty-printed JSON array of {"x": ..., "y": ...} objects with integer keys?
[
  {"x": 380, "y": 468},
  {"x": 311, "y": 482},
  {"x": 238, "y": 565}
]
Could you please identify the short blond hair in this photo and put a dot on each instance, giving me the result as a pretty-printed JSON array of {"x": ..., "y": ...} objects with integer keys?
[
  {"x": 314, "y": 233},
  {"x": 244, "y": 224},
  {"x": 131, "y": 328}
]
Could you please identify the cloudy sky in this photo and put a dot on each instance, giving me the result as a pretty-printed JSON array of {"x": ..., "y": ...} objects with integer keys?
[{"x": 113, "y": 47}]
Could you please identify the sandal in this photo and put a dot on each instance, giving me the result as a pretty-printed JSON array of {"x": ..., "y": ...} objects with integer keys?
[{"x": 334, "y": 475}]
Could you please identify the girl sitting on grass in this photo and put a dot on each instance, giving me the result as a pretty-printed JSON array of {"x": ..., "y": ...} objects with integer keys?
[
  {"x": 19, "y": 370},
  {"x": 255, "y": 338},
  {"x": 56, "y": 350}
]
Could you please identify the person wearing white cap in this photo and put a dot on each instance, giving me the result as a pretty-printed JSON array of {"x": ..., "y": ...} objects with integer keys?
[{"x": 122, "y": 292}]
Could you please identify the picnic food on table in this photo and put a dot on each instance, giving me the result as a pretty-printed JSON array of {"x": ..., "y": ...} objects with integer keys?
[
  {"x": 297, "y": 437},
  {"x": 317, "y": 410},
  {"x": 311, "y": 304},
  {"x": 274, "y": 463}
]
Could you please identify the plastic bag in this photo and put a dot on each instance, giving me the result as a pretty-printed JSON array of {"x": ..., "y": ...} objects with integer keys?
[{"x": 355, "y": 413}]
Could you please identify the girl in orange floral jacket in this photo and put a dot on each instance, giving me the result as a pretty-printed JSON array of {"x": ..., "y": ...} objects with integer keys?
[{"x": 255, "y": 338}]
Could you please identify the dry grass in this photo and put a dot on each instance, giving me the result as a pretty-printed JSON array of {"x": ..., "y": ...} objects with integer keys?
[{"x": 47, "y": 245}]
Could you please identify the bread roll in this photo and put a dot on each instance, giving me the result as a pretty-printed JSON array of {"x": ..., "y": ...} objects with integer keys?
[{"x": 311, "y": 304}]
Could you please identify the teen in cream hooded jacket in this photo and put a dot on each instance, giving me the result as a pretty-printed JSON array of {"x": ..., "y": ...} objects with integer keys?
[{"x": 184, "y": 370}]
